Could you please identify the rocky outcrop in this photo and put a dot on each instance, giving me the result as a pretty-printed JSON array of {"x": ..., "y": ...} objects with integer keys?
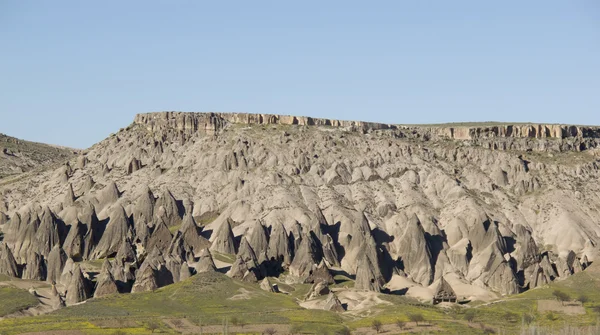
[
  {"x": 55, "y": 265},
  {"x": 279, "y": 249},
  {"x": 320, "y": 274},
  {"x": 488, "y": 136},
  {"x": 117, "y": 229},
  {"x": 8, "y": 266},
  {"x": 205, "y": 262},
  {"x": 188, "y": 241},
  {"x": 105, "y": 282},
  {"x": 224, "y": 241},
  {"x": 78, "y": 289},
  {"x": 333, "y": 304}
]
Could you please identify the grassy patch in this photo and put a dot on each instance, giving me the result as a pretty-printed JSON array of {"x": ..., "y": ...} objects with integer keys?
[{"x": 14, "y": 299}]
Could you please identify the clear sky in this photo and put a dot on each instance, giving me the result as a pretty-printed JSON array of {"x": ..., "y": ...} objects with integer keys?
[{"x": 72, "y": 72}]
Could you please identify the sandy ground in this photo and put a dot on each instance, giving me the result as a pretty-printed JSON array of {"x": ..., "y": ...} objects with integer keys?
[{"x": 569, "y": 308}]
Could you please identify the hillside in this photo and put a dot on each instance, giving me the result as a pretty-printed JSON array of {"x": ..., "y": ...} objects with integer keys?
[
  {"x": 377, "y": 214},
  {"x": 18, "y": 156}
]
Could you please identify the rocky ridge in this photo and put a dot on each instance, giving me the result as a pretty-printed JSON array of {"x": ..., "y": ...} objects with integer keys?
[{"x": 500, "y": 208}]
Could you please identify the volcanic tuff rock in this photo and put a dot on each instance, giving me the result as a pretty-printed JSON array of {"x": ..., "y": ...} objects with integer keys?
[
  {"x": 18, "y": 156},
  {"x": 303, "y": 194}
]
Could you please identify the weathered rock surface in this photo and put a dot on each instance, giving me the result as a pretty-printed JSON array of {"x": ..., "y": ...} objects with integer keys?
[{"x": 306, "y": 194}]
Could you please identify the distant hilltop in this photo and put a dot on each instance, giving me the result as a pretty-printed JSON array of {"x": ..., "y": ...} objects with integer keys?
[{"x": 189, "y": 122}]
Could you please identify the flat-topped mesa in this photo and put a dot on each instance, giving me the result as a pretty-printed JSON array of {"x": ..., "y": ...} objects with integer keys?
[
  {"x": 539, "y": 131},
  {"x": 211, "y": 123}
]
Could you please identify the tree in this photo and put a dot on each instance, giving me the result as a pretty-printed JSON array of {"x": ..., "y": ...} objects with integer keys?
[
  {"x": 269, "y": 331},
  {"x": 470, "y": 315},
  {"x": 237, "y": 322},
  {"x": 400, "y": 324},
  {"x": 528, "y": 318},
  {"x": 377, "y": 325},
  {"x": 152, "y": 325},
  {"x": 561, "y": 296},
  {"x": 416, "y": 318},
  {"x": 583, "y": 298}
]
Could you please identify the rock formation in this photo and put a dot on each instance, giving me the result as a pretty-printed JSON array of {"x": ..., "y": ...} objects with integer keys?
[{"x": 303, "y": 194}]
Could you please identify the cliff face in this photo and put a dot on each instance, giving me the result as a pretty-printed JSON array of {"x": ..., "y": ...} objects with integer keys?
[
  {"x": 524, "y": 137},
  {"x": 213, "y": 122}
]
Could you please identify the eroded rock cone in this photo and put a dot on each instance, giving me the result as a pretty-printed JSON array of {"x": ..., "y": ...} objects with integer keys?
[
  {"x": 188, "y": 240},
  {"x": 306, "y": 257},
  {"x": 239, "y": 270},
  {"x": 320, "y": 274},
  {"x": 47, "y": 235},
  {"x": 56, "y": 263},
  {"x": 184, "y": 272},
  {"x": 160, "y": 238},
  {"x": 26, "y": 238},
  {"x": 74, "y": 244},
  {"x": 108, "y": 195},
  {"x": 333, "y": 304},
  {"x": 145, "y": 281},
  {"x": 118, "y": 228},
  {"x": 8, "y": 265},
  {"x": 224, "y": 241},
  {"x": 259, "y": 240},
  {"x": 329, "y": 251},
  {"x": 205, "y": 263},
  {"x": 105, "y": 283},
  {"x": 317, "y": 290},
  {"x": 87, "y": 185},
  {"x": 67, "y": 273},
  {"x": 69, "y": 198},
  {"x": 166, "y": 209},
  {"x": 279, "y": 246},
  {"x": 266, "y": 285},
  {"x": 133, "y": 165},
  {"x": 126, "y": 252},
  {"x": 35, "y": 268},
  {"x": 143, "y": 211},
  {"x": 94, "y": 230},
  {"x": 415, "y": 253},
  {"x": 368, "y": 275},
  {"x": 78, "y": 289}
]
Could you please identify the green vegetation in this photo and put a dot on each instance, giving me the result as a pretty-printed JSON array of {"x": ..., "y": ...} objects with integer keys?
[
  {"x": 14, "y": 299},
  {"x": 212, "y": 298}
]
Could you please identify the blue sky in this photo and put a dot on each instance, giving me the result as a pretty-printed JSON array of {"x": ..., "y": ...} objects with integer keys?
[{"x": 72, "y": 72}]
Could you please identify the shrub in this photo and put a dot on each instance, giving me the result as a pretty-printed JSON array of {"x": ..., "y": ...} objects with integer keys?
[
  {"x": 470, "y": 315},
  {"x": 343, "y": 331},
  {"x": 561, "y": 296},
  {"x": 269, "y": 331},
  {"x": 528, "y": 318},
  {"x": 377, "y": 325},
  {"x": 551, "y": 316},
  {"x": 416, "y": 318},
  {"x": 152, "y": 326},
  {"x": 400, "y": 324}
]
